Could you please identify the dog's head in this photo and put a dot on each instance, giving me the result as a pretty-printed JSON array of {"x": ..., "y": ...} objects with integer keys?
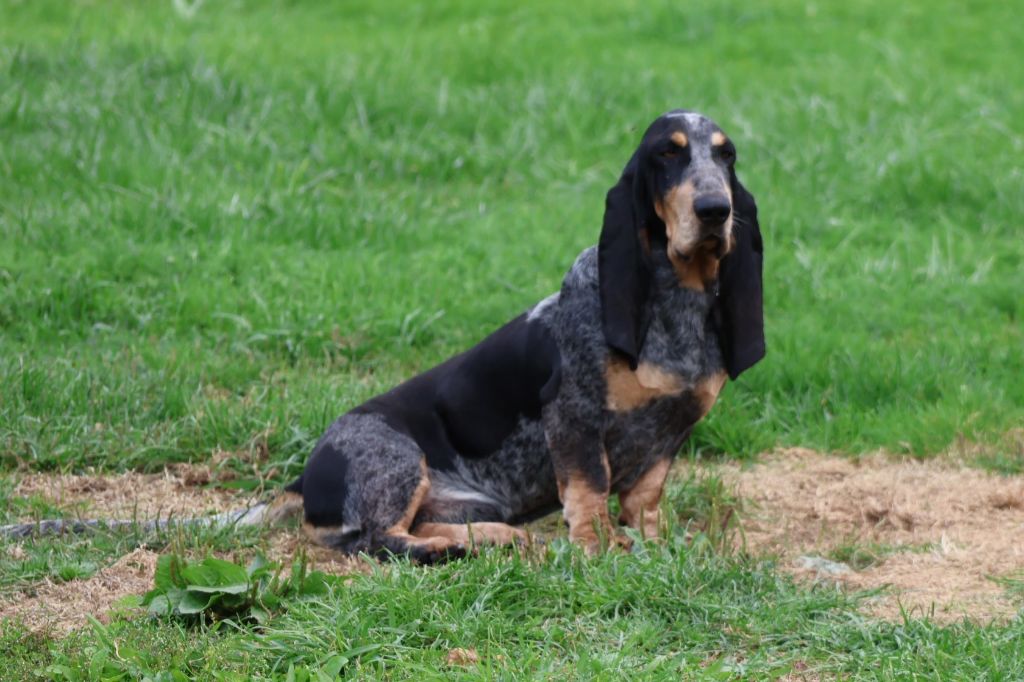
[{"x": 679, "y": 199}]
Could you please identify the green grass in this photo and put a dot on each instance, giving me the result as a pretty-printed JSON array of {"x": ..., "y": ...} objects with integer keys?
[
  {"x": 659, "y": 613},
  {"x": 250, "y": 221},
  {"x": 220, "y": 232}
]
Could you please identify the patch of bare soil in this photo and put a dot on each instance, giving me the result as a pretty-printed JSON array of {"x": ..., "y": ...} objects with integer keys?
[
  {"x": 62, "y": 607},
  {"x": 179, "y": 491},
  {"x": 945, "y": 530}
]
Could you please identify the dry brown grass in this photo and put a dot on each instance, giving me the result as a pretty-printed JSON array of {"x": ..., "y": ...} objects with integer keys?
[
  {"x": 62, "y": 607},
  {"x": 960, "y": 527},
  {"x": 179, "y": 491}
]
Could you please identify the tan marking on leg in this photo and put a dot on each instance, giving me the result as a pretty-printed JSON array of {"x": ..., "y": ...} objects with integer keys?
[
  {"x": 679, "y": 138},
  {"x": 640, "y": 503},
  {"x": 284, "y": 505},
  {"x": 401, "y": 527},
  {"x": 435, "y": 543},
  {"x": 330, "y": 536},
  {"x": 629, "y": 389},
  {"x": 718, "y": 138},
  {"x": 483, "y": 532},
  {"x": 586, "y": 511}
]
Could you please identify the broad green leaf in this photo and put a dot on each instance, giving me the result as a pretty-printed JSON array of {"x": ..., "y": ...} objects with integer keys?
[
  {"x": 297, "y": 675},
  {"x": 168, "y": 571},
  {"x": 194, "y": 602},
  {"x": 333, "y": 665},
  {"x": 216, "y": 575},
  {"x": 162, "y": 578},
  {"x": 231, "y": 602},
  {"x": 159, "y": 604},
  {"x": 147, "y": 599}
]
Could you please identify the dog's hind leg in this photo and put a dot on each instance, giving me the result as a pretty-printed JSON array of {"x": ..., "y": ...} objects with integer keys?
[
  {"x": 482, "y": 532},
  {"x": 421, "y": 547},
  {"x": 362, "y": 488}
]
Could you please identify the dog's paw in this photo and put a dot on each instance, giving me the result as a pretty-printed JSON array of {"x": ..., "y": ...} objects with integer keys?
[
  {"x": 599, "y": 544},
  {"x": 428, "y": 556}
]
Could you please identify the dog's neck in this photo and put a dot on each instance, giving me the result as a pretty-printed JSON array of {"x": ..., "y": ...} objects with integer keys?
[{"x": 679, "y": 335}]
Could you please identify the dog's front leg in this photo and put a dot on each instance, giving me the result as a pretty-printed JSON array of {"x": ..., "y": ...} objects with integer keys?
[
  {"x": 583, "y": 492},
  {"x": 584, "y": 483}
]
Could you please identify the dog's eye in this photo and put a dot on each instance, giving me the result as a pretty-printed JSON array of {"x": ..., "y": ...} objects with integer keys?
[
  {"x": 669, "y": 153},
  {"x": 728, "y": 153}
]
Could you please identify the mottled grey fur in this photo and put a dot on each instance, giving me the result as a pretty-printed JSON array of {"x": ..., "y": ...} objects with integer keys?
[{"x": 679, "y": 340}]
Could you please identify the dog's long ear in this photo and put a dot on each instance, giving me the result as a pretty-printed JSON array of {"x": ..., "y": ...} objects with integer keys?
[
  {"x": 622, "y": 270},
  {"x": 740, "y": 297}
]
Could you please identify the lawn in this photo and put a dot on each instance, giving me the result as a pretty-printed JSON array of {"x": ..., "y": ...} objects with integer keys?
[{"x": 222, "y": 224}]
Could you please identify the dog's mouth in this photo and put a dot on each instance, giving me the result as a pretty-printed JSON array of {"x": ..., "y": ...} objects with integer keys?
[{"x": 713, "y": 245}]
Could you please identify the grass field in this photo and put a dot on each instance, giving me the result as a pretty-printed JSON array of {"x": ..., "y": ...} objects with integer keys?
[{"x": 221, "y": 227}]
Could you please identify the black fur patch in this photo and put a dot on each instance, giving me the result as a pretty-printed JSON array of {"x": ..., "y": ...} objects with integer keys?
[
  {"x": 467, "y": 406},
  {"x": 325, "y": 485}
]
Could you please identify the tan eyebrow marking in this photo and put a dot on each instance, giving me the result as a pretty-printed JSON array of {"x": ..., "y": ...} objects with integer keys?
[
  {"x": 679, "y": 137},
  {"x": 718, "y": 138}
]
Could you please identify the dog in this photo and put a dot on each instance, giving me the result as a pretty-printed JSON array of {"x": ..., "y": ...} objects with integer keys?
[{"x": 589, "y": 393}]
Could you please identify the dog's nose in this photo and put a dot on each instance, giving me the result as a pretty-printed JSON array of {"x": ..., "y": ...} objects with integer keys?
[{"x": 712, "y": 209}]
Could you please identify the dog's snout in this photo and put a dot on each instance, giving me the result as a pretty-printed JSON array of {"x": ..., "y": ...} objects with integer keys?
[{"x": 712, "y": 209}]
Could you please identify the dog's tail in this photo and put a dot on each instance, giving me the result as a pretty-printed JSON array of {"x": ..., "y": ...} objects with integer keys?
[{"x": 287, "y": 503}]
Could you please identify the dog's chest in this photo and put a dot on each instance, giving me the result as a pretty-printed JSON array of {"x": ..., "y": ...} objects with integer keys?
[
  {"x": 645, "y": 423},
  {"x": 651, "y": 409},
  {"x": 651, "y": 387},
  {"x": 680, "y": 362}
]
